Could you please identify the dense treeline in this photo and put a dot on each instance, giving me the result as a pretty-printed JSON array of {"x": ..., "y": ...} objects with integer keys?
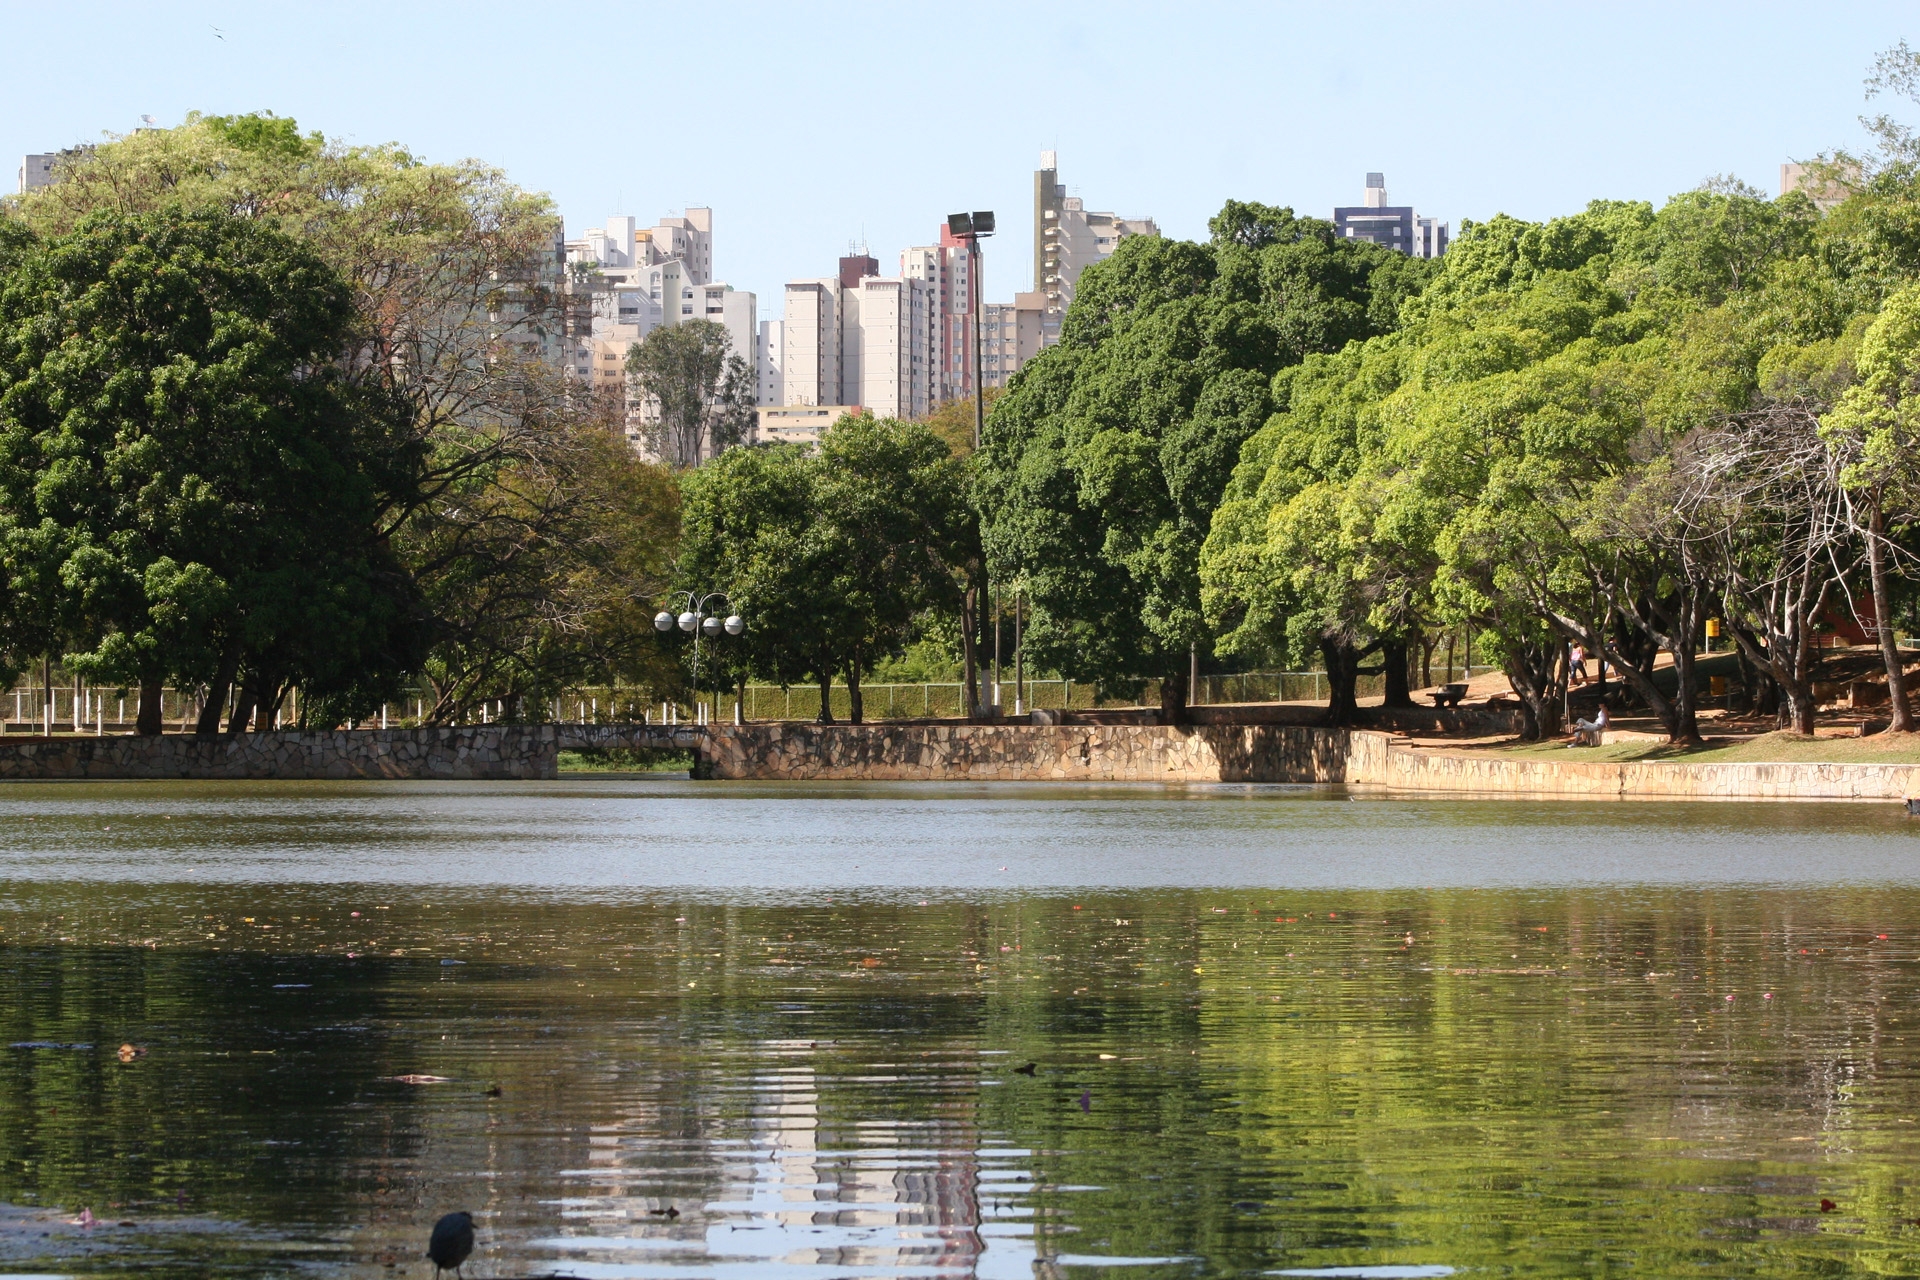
[
  {"x": 277, "y": 413},
  {"x": 1604, "y": 430}
]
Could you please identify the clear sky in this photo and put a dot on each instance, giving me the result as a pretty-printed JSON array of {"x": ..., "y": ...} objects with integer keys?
[{"x": 809, "y": 125}]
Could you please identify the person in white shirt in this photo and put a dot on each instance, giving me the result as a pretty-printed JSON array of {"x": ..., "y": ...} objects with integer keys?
[{"x": 1590, "y": 733}]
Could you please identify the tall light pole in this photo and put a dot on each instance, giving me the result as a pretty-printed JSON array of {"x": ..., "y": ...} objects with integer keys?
[
  {"x": 697, "y": 619},
  {"x": 970, "y": 227}
]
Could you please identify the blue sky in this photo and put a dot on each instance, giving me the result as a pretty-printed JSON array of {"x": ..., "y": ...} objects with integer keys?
[{"x": 809, "y": 125}]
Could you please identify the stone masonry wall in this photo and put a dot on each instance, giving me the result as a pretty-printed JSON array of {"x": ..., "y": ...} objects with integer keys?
[
  {"x": 1238, "y": 753},
  {"x": 480, "y": 751},
  {"x": 948, "y": 752}
]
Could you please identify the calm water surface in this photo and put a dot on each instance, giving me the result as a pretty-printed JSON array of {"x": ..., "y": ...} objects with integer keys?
[{"x": 688, "y": 1030}]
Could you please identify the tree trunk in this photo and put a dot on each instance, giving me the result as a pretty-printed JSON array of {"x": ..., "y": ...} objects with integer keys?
[
  {"x": 1800, "y": 708},
  {"x": 1883, "y": 625},
  {"x": 1173, "y": 697},
  {"x": 1682, "y": 724},
  {"x": 242, "y": 712},
  {"x": 826, "y": 700},
  {"x": 1342, "y": 665},
  {"x": 970, "y": 650},
  {"x": 1536, "y": 674},
  {"x": 1393, "y": 663},
  {"x": 209, "y": 723},
  {"x": 147, "y": 721},
  {"x": 856, "y": 706}
]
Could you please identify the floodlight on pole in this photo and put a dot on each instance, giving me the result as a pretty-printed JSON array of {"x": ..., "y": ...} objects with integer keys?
[{"x": 970, "y": 227}]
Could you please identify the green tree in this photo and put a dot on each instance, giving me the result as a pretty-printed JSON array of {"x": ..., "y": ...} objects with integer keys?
[
  {"x": 831, "y": 556},
  {"x": 190, "y": 485},
  {"x": 1875, "y": 429},
  {"x": 1500, "y": 462},
  {"x": 460, "y": 310},
  {"x": 1108, "y": 454},
  {"x": 698, "y": 393}
]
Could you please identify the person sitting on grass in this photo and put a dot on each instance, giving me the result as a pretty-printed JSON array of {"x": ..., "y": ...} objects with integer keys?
[{"x": 1590, "y": 733}]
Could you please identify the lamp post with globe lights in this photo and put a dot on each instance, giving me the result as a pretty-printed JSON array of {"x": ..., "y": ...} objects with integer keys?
[{"x": 698, "y": 618}]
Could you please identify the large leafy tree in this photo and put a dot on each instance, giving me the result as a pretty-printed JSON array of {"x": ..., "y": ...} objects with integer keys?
[
  {"x": 190, "y": 484},
  {"x": 453, "y": 276},
  {"x": 1505, "y": 460},
  {"x": 1875, "y": 431},
  {"x": 697, "y": 393},
  {"x": 832, "y": 556},
  {"x": 1107, "y": 456}
]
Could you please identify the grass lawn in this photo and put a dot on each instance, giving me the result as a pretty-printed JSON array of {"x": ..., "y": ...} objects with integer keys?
[
  {"x": 625, "y": 760},
  {"x": 1770, "y": 747}
]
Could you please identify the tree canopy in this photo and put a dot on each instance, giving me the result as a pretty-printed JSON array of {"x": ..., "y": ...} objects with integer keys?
[{"x": 1107, "y": 455}]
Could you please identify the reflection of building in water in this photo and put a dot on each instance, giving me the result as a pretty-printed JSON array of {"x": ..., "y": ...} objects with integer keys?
[
  {"x": 766, "y": 1170},
  {"x": 901, "y": 1193}
]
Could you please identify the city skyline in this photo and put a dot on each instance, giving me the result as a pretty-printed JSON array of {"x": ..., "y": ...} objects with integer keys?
[{"x": 1151, "y": 117}]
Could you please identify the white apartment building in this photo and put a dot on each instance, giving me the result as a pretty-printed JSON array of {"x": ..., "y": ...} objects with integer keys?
[
  {"x": 810, "y": 343},
  {"x": 798, "y": 424},
  {"x": 637, "y": 279},
  {"x": 897, "y": 343},
  {"x": 1010, "y": 335},
  {"x": 687, "y": 238},
  {"x": 949, "y": 272},
  {"x": 861, "y": 339},
  {"x": 1067, "y": 239},
  {"x": 771, "y": 369}
]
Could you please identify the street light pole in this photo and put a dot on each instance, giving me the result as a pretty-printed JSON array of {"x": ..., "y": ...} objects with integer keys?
[
  {"x": 970, "y": 227},
  {"x": 979, "y": 360},
  {"x": 695, "y": 617}
]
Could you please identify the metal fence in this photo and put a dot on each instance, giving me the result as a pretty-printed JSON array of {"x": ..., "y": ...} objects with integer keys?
[{"x": 72, "y": 706}]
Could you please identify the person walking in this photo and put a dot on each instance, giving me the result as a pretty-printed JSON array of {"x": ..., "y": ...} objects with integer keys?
[{"x": 1577, "y": 665}]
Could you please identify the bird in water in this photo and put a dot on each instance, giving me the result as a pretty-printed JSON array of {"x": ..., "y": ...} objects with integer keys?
[
  {"x": 451, "y": 1242},
  {"x": 1027, "y": 1070}
]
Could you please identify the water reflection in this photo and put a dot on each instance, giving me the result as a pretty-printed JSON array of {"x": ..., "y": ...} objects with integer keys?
[{"x": 1231, "y": 1075}]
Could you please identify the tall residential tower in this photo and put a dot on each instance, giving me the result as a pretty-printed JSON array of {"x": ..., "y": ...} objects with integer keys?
[{"x": 1067, "y": 239}]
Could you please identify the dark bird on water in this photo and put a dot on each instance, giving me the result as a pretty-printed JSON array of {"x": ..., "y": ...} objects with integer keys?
[
  {"x": 1027, "y": 1070},
  {"x": 668, "y": 1212},
  {"x": 452, "y": 1241}
]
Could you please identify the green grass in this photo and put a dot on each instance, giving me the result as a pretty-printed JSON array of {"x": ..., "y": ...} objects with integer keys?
[
  {"x": 626, "y": 760},
  {"x": 1780, "y": 748}
]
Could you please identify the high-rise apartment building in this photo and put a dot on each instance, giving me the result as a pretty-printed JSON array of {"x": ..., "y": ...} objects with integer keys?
[
  {"x": 948, "y": 270},
  {"x": 1390, "y": 226},
  {"x": 810, "y": 343},
  {"x": 860, "y": 339},
  {"x": 1010, "y": 335},
  {"x": 897, "y": 341},
  {"x": 632, "y": 280},
  {"x": 1067, "y": 239},
  {"x": 37, "y": 171},
  {"x": 1826, "y": 185},
  {"x": 772, "y": 383}
]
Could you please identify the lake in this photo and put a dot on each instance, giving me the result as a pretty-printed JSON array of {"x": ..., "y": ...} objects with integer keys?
[{"x": 667, "y": 1029}]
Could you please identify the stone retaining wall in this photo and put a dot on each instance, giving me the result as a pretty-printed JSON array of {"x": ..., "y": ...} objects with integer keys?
[
  {"x": 481, "y": 751},
  {"x": 1245, "y": 753},
  {"x": 948, "y": 752}
]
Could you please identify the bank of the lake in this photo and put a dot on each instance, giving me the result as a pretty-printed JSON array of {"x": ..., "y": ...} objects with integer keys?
[{"x": 940, "y": 752}]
